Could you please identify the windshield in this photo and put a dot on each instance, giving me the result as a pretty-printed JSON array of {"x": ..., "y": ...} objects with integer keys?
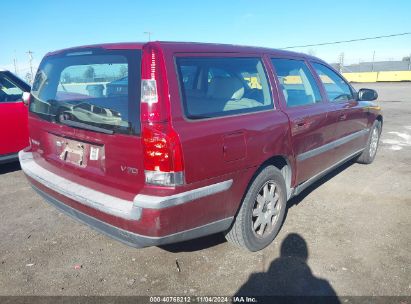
[{"x": 90, "y": 90}]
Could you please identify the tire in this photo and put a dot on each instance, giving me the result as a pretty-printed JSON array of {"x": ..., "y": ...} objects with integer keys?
[
  {"x": 257, "y": 211},
  {"x": 368, "y": 155}
]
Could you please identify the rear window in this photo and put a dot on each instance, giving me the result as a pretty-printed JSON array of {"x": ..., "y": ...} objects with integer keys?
[
  {"x": 97, "y": 90},
  {"x": 214, "y": 87}
]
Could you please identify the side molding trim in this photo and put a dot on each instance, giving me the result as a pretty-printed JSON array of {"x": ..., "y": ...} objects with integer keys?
[
  {"x": 159, "y": 202},
  {"x": 331, "y": 145},
  {"x": 316, "y": 177}
]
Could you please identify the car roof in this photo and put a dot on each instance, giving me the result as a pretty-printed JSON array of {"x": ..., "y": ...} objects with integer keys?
[
  {"x": 199, "y": 47},
  {"x": 226, "y": 48},
  {"x": 20, "y": 82},
  {"x": 108, "y": 46}
]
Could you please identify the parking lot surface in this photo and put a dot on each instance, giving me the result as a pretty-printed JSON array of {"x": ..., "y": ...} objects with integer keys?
[{"x": 349, "y": 234}]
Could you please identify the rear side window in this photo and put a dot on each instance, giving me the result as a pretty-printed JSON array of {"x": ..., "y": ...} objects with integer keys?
[
  {"x": 337, "y": 89},
  {"x": 214, "y": 87},
  {"x": 89, "y": 88},
  {"x": 296, "y": 82}
]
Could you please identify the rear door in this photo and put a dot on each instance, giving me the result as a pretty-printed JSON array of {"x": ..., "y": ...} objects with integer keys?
[
  {"x": 312, "y": 130},
  {"x": 349, "y": 115},
  {"x": 13, "y": 115},
  {"x": 228, "y": 115}
]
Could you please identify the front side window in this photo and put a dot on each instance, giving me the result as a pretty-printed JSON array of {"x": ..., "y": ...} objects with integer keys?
[
  {"x": 296, "y": 82},
  {"x": 214, "y": 87},
  {"x": 9, "y": 92},
  {"x": 335, "y": 87},
  {"x": 89, "y": 88}
]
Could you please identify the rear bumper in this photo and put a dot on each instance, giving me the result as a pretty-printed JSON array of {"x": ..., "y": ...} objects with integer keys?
[
  {"x": 56, "y": 189},
  {"x": 79, "y": 193},
  {"x": 134, "y": 239}
]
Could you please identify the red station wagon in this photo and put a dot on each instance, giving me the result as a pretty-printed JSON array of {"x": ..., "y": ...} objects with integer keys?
[
  {"x": 14, "y": 134},
  {"x": 160, "y": 142}
]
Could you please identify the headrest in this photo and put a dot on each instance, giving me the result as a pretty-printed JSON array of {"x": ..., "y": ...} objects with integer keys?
[{"x": 226, "y": 88}]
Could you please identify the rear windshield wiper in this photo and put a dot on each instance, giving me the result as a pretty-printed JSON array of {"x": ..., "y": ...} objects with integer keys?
[{"x": 85, "y": 126}]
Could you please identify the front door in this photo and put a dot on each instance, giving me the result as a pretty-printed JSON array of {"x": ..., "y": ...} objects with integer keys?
[
  {"x": 349, "y": 115},
  {"x": 312, "y": 130}
]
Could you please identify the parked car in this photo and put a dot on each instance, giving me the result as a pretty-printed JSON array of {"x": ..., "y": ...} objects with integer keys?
[
  {"x": 118, "y": 87},
  {"x": 214, "y": 138},
  {"x": 13, "y": 117},
  {"x": 91, "y": 113}
]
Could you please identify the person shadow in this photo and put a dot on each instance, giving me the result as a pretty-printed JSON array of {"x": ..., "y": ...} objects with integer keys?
[
  {"x": 217, "y": 239},
  {"x": 289, "y": 277}
]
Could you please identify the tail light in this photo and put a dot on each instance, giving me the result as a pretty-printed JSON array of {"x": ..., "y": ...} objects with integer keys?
[{"x": 163, "y": 159}]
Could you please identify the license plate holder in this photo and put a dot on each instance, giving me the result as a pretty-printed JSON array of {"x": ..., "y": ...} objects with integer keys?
[{"x": 74, "y": 153}]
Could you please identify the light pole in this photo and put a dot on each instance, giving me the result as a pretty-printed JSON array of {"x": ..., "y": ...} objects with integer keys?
[
  {"x": 30, "y": 53},
  {"x": 341, "y": 62},
  {"x": 149, "y": 35},
  {"x": 15, "y": 63}
]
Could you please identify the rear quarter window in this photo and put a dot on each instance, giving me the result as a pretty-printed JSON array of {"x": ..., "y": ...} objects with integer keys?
[{"x": 223, "y": 86}]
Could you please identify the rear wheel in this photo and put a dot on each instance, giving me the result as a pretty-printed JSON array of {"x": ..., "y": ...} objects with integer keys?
[
  {"x": 262, "y": 211},
  {"x": 368, "y": 155}
]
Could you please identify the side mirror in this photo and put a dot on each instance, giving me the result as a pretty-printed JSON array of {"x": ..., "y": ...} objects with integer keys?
[
  {"x": 367, "y": 95},
  {"x": 26, "y": 98}
]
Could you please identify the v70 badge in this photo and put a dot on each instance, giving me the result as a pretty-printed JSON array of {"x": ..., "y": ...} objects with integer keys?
[{"x": 129, "y": 170}]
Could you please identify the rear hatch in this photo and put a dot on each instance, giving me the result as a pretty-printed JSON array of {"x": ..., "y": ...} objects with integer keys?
[{"x": 85, "y": 118}]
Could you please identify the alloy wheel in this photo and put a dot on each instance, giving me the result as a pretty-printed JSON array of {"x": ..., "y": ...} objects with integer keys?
[
  {"x": 374, "y": 142},
  {"x": 266, "y": 209}
]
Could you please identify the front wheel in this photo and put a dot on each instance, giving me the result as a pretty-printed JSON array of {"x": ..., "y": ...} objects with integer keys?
[
  {"x": 262, "y": 211},
  {"x": 368, "y": 155}
]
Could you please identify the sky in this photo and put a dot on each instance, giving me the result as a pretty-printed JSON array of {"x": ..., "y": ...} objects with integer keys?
[{"x": 46, "y": 25}]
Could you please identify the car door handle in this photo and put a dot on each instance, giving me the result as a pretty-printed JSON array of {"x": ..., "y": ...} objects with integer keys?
[
  {"x": 300, "y": 123},
  {"x": 342, "y": 117}
]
